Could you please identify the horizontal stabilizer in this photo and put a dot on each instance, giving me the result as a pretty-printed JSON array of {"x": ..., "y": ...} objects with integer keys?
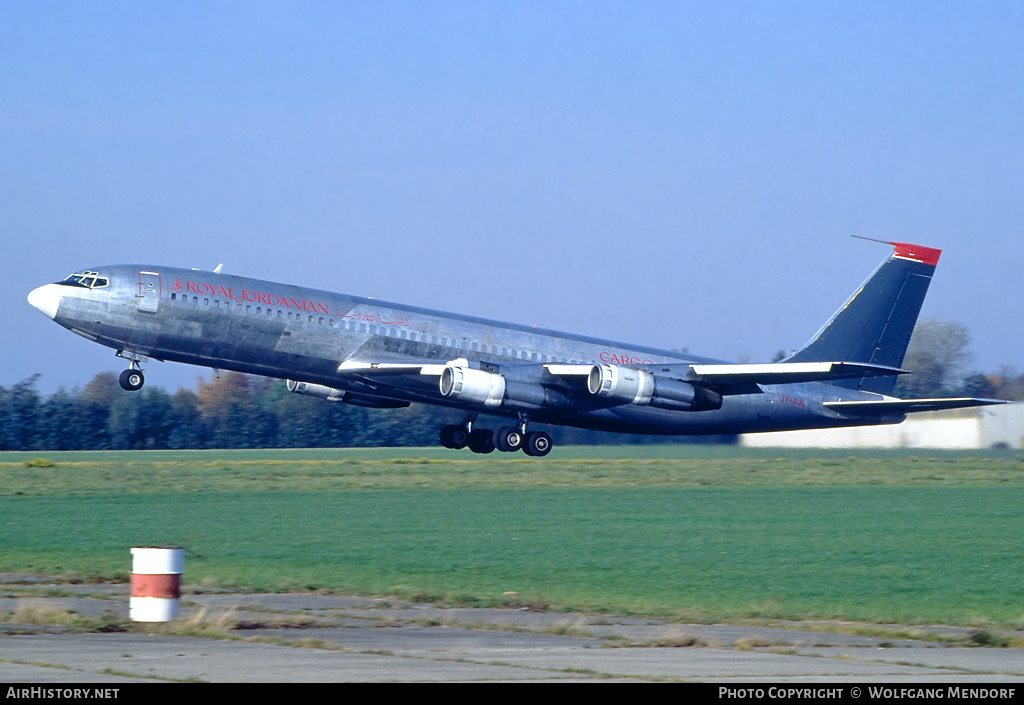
[{"x": 906, "y": 406}]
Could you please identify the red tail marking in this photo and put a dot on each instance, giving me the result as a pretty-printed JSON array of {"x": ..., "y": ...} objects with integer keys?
[{"x": 925, "y": 255}]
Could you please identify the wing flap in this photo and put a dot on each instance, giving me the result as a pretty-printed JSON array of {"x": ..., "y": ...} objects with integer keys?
[
  {"x": 785, "y": 372},
  {"x": 355, "y": 367}
]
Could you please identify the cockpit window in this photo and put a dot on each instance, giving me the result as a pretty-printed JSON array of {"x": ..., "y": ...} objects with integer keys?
[{"x": 87, "y": 280}]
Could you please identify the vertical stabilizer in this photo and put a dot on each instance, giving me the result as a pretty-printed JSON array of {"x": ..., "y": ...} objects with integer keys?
[{"x": 876, "y": 323}]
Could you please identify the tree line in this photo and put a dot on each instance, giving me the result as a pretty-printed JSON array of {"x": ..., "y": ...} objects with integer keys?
[
  {"x": 232, "y": 411},
  {"x": 939, "y": 358}
]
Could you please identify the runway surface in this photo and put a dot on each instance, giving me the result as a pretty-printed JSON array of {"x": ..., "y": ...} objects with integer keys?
[{"x": 300, "y": 638}]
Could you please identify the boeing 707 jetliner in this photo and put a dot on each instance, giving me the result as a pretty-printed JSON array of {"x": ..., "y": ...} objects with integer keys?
[{"x": 384, "y": 355}]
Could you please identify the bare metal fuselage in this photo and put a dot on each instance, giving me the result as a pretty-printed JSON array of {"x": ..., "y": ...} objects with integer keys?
[
  {"x": 374, "y": 353},
  {"x": 278, "y": 330}
]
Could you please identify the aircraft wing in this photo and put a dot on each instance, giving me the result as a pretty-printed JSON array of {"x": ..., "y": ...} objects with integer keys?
[
  {"x": 726, "y": 378},
  {"x": 905, "y": 406}
]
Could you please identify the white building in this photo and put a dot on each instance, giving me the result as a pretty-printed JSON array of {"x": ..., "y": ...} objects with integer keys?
[{"x": 978, "y": 427}]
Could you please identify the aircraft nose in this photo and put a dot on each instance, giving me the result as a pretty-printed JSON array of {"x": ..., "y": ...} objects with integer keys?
[{"x": 46, "y": 299}]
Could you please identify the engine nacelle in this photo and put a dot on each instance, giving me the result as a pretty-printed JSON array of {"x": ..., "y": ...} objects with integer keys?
[
  {"x": 621, "y": 384},
  {"x": 315, "y": 390},
  {"x": 633, "y": 386},
  {"x": 473, "y": 386},
  {"x": 491, "y": 390},
  {"x": 332, "y": 394}
]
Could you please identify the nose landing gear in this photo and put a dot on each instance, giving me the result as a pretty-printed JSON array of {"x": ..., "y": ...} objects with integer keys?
[{"x": 132, "y": 379}]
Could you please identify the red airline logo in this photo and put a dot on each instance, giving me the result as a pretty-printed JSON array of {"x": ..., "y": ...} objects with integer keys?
[
  {"x": 622, "y": 359},
  {"x": 255, "y": 296}
]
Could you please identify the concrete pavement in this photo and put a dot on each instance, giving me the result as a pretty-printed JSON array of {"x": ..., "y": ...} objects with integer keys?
[{"x": 300, "y": 638}]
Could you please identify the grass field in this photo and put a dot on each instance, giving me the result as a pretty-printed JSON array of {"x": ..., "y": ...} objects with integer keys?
[{"x": 699, "y": 532}]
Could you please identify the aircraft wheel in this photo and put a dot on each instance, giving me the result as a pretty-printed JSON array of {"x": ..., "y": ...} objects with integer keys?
[
  {"x": 481, "y": 441},
  {"x": 508, "y": 439},
  {"x": 131, "y": 380},
  {"x": 454, "y": 437},
  {"x": 538, "y": 444}
]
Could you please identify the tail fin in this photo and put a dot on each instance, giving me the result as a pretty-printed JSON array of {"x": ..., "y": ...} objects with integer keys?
[{"x": 875, "y": 324}]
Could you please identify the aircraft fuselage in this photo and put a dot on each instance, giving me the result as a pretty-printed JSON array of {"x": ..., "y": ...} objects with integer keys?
[
  {"x": 289, "y": 332},
  {"x": 375, "y": 353}
]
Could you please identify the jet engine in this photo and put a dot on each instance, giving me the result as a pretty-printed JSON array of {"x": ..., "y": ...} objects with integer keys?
[
  {"x": 315, "y": 390},
  {"x": 492, "y": 390},
  {"x": 643, "y": 388},
  {"x": 332, "y": 394},
  {"x": 474, "y": 386}
]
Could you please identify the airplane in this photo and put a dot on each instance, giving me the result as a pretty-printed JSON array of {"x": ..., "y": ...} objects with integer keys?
[{"x": 385, "y": 355}]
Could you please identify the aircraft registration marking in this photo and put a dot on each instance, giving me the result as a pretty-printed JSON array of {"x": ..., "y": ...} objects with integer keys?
[{"x": 795, "y": 401}]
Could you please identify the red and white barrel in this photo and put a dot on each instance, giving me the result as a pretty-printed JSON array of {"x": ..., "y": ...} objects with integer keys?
[{"x": 155, "y": 584}]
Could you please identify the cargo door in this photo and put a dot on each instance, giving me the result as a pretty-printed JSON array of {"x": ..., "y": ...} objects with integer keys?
[{"x": 149, "y": 292}]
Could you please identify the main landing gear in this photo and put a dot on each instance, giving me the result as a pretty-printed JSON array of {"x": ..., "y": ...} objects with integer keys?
[{"x": 507, "y": 439}]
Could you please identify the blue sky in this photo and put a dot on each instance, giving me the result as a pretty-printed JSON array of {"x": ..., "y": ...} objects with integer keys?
[{"x": 677, "y": 174}]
